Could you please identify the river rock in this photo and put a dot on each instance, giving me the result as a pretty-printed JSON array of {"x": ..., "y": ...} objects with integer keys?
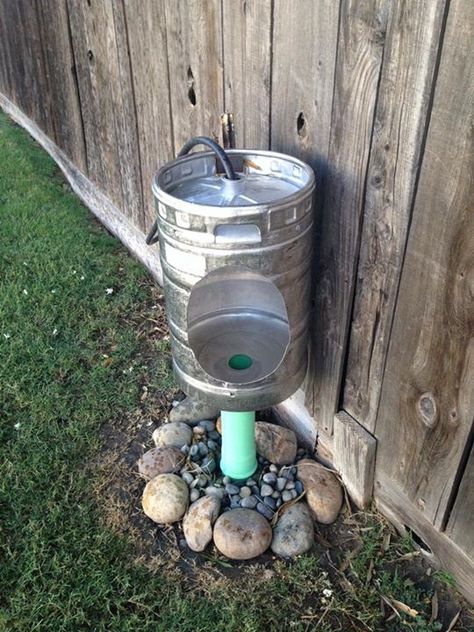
[
  {"x": 275, "y": 443},
  {"x": 198, "y": 522},
  {"x": 294, "y": 531},
  {"x": 160, "y": 461},
  {"x": 242, "y": 534},
  {"x": 323, "y": 490},
  {"x": 192, "y": 411},
  {"x": 165, "y": 498},
  {"x": 174, "y": 434}
]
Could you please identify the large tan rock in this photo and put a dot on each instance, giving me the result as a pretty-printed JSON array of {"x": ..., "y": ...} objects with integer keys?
[
  {"x": 242, "y": 534},
  {"x": 198, "y": 522},
  {"x": 173, "y": 435},
  {"x": 294, "y": 532},
  {"x": 165, "y": 498},
  {"x": 160, "y": 461},
  {"x": 275, "y": 443},
  {"x": 323, "y": 490}
]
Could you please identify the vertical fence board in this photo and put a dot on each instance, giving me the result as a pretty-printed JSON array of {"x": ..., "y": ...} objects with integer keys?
[
  {"x": 148, "y": 56},
  {"x": 247, "y": 26},
  {"x": 108, "y": 111},
  {"x": 427, "y": 401},
  {"x": 60, "y": 71},
  {"x": 459, "y": 527},
  {"x": 359, "y": 58},
  {"x": 194, "y": 36},
  {"x": 404, "y": 93}
]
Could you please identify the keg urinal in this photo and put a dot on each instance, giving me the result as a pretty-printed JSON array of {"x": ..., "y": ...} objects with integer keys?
[{"x": 235, "y": 233}]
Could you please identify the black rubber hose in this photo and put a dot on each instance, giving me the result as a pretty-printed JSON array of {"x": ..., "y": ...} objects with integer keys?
[
  {"x": 152, "y": 236},
  {"x": 217, "y": 149}
]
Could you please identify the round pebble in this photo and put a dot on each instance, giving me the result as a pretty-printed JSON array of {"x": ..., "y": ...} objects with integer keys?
[
  {"x": 212, "y": 445},
  {"x": 207, "y": 425},
  {"x": 266, "y": 490},
  {"x": 214, "y": 435},
  {"x": 293, "y": 493},
  {"x": 299, "y": 487},
  {"x": 242, "y": 534},
  {"x": 185, "y": 449},
  {"x": 245, "y": 491},
  {"x": 270, "y": 502},
  {"x": 286, "y": 495},
  {"x": 203, "y": 449},
  {"x": 198, "y": 431},
  {"x": 249, "y": 502},
  {"x": 273, "y": 468},
  {"x": 194, "y": 450},
  {"x": 279, "y": 503},
  {"x": 250, "y": 482},
  {"x": 255, "y": 490},
  {"x": 290, "y": 485},
  {"x": 201, "y": 480},
  {"x": 264, "y": 510},
  {"x": 232, "y": 489},
  {"x": 209, "y": 464},
  {"x": 226, "y": 480},
  {"x": 270, "y": 478},
  {"x": 276, "y": 494},
  {"x": 218, "y": 492},
  {"x": 194, "y": 495},
  {"x": 281, "y": 483},
  {"x": 187, "y": 477}
]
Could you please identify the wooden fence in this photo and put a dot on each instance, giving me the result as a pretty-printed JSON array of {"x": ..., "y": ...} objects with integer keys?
[{"x": 377, "y": 95}]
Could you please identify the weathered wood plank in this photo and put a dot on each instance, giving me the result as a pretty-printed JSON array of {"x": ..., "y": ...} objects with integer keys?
[
  {"x": 427, "y": 401},
  {"x": 303, "y": 63},
  {"x": 359, "y": 58},
  {"x": 91, "y": 195},
  {"x": 247, "y": 32},
  {"x": 60, "y": 72},
  {"x": 148, "y": 59},
  {"x": 194, "y": 37},
  {"x": 400, "y": 120},
  {"x": 101, "y": 52},
  {"x": 354, "y": 457},
  {"x": 459, "y": 527}
]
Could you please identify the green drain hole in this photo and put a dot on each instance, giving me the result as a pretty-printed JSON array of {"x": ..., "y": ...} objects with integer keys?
[{"x": 240, "y": 361}]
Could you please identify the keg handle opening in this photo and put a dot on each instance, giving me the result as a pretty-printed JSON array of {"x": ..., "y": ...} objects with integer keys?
[{"x": 152, "y": 236}]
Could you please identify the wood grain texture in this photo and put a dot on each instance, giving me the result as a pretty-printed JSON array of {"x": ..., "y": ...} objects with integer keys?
[
  {"x": 108, "y": 111},
  {"x": 194, "y": 37},
  {"x": 149, "y": 68},
  {"x": 359, "y": 57},
  {"x": 427, "y": 403},
  {"x": 303, "y": 64},
  {"x": 247, "y": 35},
  {"x": 354, "y": 458},
  {"x": 60, "y": 71},
  {"x": 400, "y": 120},
  {"x": 91, "y": 195},
  {"x": 459, "y": 528}
]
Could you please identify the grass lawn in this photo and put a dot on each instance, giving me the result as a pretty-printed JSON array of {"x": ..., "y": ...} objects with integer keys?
[{"x": 84, "y": 375}]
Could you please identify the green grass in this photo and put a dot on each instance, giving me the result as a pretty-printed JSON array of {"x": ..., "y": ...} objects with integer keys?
[{"x": 76, "y": 357}]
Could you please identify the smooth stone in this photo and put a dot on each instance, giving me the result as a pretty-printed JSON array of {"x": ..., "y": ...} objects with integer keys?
[
  {"x": 294, "y": 532},
  {"x": 279, "y": 503},
  {"x": 198, "y": 431},
  {"x": 255, "y": 490},
  {"x": 187, "y": 477},
  {"x": 265, "y": 510},
  {"x": 266, "y": 490},
  {"x": 207, "y": 425},
  {"x": 194, "y": 494},
  {"x": 275, "y": 443},
  {"x": 192, "y": 411},
  {"x": 160, "y": 461},
  {"x": 185, "y": 449},
  {"x": 281, "y": 483},
  {"x": 242, "y": 534},
  {"x": 212, "y": 445},
  {"x": 323, "y": 490},
  {"x": 273, "y": 468},
  {"x": 276, "y": 494},
  {"x": 285, "y": 472},
  {"x": 214, "y": 435},
  {"x": 194, "y": 450},
  {"x": 226, "y": 480},
  {"x": 245, "y": 492},
  {"x": 165, "y": 498},
  {"x": 209, "y": 464},
  {"x": 249, "y": 502},
  {"x": 203, "y": 449},
  {"x": 270, "y": 478},
  {"x": 199, "y": 520},
  {"x": 215, "y": 491},
  {"x": 232, "y": 489},
  {"x": 251, "y": 482},
  {"x": 270, "y": 502},
  {"x": 294, "y": 493},
  {"x": 290, "y": 485},
  {"x": 235, "y": 498},
  {"x": 173, "y": 435},
  {"x": 286, "y": 495},
  {"x": 201, "y": 480},
  {"x": 299, "y": 487}
]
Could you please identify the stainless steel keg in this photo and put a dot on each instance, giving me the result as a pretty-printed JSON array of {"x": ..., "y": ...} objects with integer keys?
[{"x": 236, "y": 257}]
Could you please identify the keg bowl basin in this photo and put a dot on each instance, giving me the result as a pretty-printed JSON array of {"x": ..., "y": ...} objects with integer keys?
[{"x": 238, "y": 325}]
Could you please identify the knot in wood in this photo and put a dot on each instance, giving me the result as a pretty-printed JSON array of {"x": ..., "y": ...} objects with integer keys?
[{"x": 428, "y": 409}]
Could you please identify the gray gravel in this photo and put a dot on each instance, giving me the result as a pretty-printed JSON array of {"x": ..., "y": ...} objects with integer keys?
[
  {"x": 265, "y": 511},
  {"x": 270, "y": 478},
  {"x": 249, "y": 502},
  {"x": 266, "y": 490},
  {"x": 232, "y": 489}
]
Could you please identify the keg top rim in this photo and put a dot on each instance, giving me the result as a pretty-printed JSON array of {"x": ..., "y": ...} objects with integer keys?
[{"x": 277, "y": 179}]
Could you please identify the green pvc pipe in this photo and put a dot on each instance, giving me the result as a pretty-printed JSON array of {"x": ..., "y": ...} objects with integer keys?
[{"x": 238, "y": 454}]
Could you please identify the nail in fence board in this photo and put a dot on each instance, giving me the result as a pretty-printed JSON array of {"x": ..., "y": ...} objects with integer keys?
[
  {"x": 247, "y": 31},
  {"x": 403, "y": 100},
  {"x": 60, "y": 71},
  {"x": 427, "y": 402},
  {"x": 148, "y": 59},
  {"x": 194, "y": 37},
  {"x": 108, "y": 111},
  {"x": 359, "y": 56}
]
